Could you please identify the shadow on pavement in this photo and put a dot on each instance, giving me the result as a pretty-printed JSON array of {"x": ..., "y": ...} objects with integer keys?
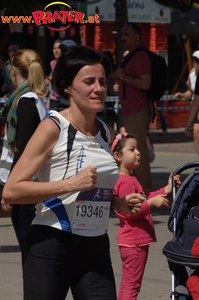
[
  {"x": 172, "y": 137},
  {"x": 9, "y": 249}
]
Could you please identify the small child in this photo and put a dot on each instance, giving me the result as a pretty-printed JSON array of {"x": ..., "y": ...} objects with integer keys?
[{"x": 136, "y": 232}]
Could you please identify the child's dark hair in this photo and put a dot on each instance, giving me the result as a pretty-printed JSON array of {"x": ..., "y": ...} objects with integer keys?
[{"x": 120, "y": 140}]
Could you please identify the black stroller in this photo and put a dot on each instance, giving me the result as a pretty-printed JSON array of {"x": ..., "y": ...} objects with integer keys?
[{"x": 185, "y": 230}]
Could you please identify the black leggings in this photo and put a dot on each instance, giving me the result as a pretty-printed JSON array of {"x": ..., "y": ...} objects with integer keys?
[
  {"x": 22, "y": 216},
  {"x": 57, "y": 261}
]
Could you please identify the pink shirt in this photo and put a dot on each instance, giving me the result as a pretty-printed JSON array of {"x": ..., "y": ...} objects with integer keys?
[
  {"x": 135, "y": 229},
  {"x": 136, "y": 100}
]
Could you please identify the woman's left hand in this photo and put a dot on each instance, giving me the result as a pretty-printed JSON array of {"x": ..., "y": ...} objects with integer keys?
[
  {"x": 130, "y": 204},
  {"x": 134, "y": 202}
]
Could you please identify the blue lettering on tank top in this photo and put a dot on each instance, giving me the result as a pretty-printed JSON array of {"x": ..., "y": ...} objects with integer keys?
[
  {"x": 56, "y": 205},
  {"x": 80, "y": 159}
]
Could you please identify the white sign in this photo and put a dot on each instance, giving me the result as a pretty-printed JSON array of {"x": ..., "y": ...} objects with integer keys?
[{"x": 139, "y": 11}]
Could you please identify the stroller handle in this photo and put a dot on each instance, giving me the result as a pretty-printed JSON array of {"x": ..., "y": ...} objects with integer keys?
[{"x": 182, "y": 168}]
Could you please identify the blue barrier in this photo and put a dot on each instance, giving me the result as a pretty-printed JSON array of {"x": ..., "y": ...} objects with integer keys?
[{"x": 165, "y": 97}]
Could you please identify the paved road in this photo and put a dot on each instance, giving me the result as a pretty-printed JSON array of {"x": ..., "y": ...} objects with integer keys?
[{"x": 171, "y": 151}]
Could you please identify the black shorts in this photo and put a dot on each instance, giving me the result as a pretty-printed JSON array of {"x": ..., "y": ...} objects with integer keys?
[{"x": 57, "y": 260}]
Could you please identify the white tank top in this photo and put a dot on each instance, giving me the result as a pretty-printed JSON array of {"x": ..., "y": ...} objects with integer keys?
[
  {"x": 7, "y": 155},
  {"x": 82, "y": 213},
  {"x": 192, "y": 78}
]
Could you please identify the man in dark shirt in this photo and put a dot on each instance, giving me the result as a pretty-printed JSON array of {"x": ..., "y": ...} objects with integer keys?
[{"x": 134, "y": 80}]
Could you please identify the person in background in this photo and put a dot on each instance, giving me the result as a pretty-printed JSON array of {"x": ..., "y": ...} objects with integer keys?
[
  {"x": 160, "y": 105},
  {"x": 54, "y": 97},
  {"x": 68, "y": 246},
  {"x": 21, "y": 113},
  {"x": 136, "y": 232},
  {"x": 3, "y": 60},
  {"x": 192, "y": 127},
  {"x": 65, "y": 44},
  {"x": 134, "y": 81},
  {"x": 191, "y": 81},
  {"x": 7, "y": 87}
]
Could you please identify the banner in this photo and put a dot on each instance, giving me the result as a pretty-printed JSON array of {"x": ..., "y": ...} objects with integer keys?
[{"x": 139, "y": 11}]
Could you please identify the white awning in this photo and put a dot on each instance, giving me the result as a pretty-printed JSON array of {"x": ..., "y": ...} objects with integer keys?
[{"x": 139, "y": 11}]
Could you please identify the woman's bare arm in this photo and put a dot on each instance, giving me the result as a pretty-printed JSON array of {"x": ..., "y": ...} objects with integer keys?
[{"x": 20, "y": 189}]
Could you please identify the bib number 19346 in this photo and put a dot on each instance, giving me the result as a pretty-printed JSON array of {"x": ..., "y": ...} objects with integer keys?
[{"x": 91, "y": 214}]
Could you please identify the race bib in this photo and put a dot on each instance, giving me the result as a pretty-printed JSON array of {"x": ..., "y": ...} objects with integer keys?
[{"x": 92, "y": 209}]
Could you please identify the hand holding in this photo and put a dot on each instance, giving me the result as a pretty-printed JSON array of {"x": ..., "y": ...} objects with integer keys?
[
  {"x": 132, "y": 203},
  {"x": 168, "y": 188},
  {"x": 177, "y": 180}
]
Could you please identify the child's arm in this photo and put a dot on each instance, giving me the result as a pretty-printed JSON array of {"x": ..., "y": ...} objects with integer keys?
[
  {"x": 165, "y": 190},
  {"x": 168, "y": 187},
  {"x": 126, "y": 188},
  {"x": 158, "y": 201}
]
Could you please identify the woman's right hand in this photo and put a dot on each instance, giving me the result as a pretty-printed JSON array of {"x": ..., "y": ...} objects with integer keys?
[
  {"x": 6, "y": 207},
  {"x": 86, "y": 179}
]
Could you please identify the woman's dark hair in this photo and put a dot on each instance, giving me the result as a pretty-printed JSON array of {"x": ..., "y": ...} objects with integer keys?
[{"x": 69, "y": 64}]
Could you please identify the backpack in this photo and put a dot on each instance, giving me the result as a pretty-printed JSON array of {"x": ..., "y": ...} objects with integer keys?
[{"x": 159, "y": 74}]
